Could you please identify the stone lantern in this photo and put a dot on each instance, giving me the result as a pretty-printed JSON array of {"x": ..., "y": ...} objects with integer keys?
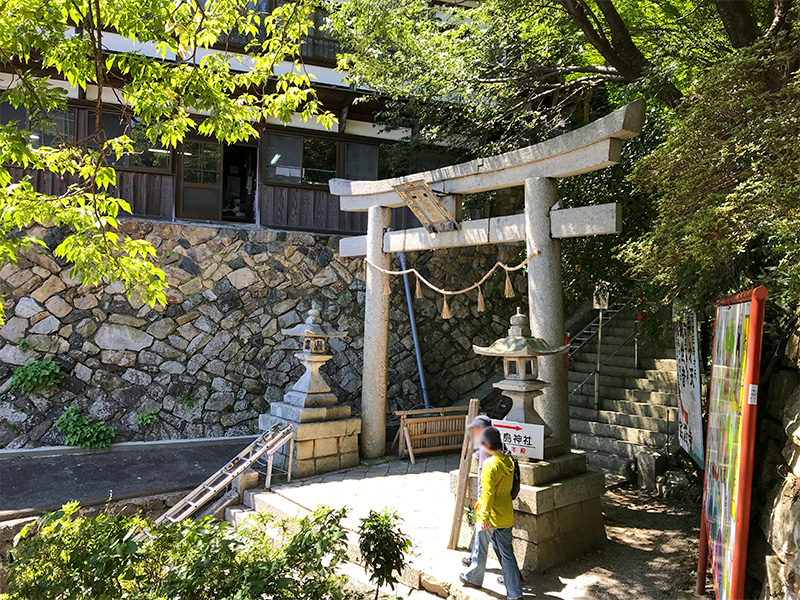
[
  {"x": 325, "y": 433},
  {"x": 311, "y": 390},
  {"x": 520, "y": 352}
]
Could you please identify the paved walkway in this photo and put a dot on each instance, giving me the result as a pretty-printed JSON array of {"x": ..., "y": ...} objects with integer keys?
[
  {"x": 37, "y": 483},
  {"x": 650, "y": 555}
]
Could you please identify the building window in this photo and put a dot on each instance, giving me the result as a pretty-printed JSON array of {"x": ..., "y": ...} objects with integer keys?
[
  {"x": 299, "y": 159},
  {"x": 145, "y": 155},
  {"x": 202, "y": 163},
  {"x": 318, "y": 45},
  {"x": 46, "y": 131},
  {"x": 361, "y": 161}
]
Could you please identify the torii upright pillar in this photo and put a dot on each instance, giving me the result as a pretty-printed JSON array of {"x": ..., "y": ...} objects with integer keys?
[
  {"x": 375, "y": 369},
  {"x": 546, "y": 305}
]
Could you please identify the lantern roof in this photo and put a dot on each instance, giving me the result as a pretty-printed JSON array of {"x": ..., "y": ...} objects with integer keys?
[
  {"x": 313, "y": 327},
  {"x": 519, "y": 341}
]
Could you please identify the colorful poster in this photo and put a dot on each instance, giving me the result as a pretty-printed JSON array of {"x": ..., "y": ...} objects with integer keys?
[
  {"x": 731, "y": 433},
  {"x": 687, "y": 365}
]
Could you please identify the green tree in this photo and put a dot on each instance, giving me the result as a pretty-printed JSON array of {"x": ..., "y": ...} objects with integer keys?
[
  {"x": 727, "y": 189},
  {"x": 383, "y": 547},
  {"x": 160, "y": 96},
  {"x": 500, "y": 74}
]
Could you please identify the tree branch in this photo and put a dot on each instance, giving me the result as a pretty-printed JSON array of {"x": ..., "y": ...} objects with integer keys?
[{"x": 780, "y": 19}]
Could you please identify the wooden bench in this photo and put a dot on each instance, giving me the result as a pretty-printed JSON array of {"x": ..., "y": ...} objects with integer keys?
[{"x": 430, "y": 430}]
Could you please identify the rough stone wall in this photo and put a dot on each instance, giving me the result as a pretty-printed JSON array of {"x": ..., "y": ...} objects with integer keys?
[
  {"x": 774, "y": 546},
  {"x": 214, "y": 358}
]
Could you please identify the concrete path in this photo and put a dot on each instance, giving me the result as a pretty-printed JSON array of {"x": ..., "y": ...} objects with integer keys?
[
  {"x": 37, "y": 482},
  {"x": 650, "y": 555}
]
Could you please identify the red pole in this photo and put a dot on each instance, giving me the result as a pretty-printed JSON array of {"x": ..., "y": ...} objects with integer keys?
[
  {"x": 749, "y": 406},
  {"x": 702, "y": 556}
]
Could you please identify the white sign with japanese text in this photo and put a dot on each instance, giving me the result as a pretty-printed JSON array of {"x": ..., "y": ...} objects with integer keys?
[
  {"x": 687, "y": 364},
  {"x": 522, "y": 439}
]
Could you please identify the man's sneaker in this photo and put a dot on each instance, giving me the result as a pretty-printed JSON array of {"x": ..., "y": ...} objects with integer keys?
[
  {"x": 466, "y": 582},
  {"x": 466, "y": 561}
]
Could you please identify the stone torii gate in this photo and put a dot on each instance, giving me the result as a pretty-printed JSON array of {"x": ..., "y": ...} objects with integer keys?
[{"x": 537, "y": 168}]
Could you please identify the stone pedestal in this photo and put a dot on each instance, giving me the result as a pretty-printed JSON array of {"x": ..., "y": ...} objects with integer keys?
[
  {"x": 557, "y": 515},
  {"x": 326, "y": 439}
]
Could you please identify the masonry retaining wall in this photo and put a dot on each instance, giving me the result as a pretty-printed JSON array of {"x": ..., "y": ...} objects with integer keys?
[{"x": 214, "y": 358}]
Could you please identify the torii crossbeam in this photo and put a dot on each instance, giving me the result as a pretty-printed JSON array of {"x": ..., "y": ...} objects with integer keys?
[{"x": 592, "y": 147}]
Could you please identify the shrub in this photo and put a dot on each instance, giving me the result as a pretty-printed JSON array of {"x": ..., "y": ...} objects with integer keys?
[
  {"x": 187, "y": 400},
  {"x": 82, "y": 430},
  {"x": 146, "y": 418},
  {"x": 70, "y": 557},
  {"x": 383, "y": 547},
  {"x": 37, "y": 373}
]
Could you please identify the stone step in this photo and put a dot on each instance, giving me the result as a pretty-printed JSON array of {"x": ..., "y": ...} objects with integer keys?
[
  {"x": 668, "y": 413},
  {"x": 235, "y": 515},
  {"x": 608, "y": 382},
  {"x": 628, "y": 349},
  {"x": 642, "y": 437},
  {"x": 608, "y": 463},
  {"x": 586, "y": 367},
  {"x": 627, "y": 362},
  {"x": 591, "y": 443},
  {"x": 624, "y": 419},
  {"x": 648, "y": 397}
]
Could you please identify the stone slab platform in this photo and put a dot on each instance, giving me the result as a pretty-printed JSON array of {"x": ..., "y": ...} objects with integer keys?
[{"x": 421, "y": 495}]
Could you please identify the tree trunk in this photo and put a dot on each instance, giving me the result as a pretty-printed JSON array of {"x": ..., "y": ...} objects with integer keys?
[{"x": 738, "y": 21}]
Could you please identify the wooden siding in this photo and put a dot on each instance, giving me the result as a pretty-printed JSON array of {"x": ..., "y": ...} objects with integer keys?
[
  {"x": 149, "y": 194},
  {"x": 284, "y": 207},
  {"x": 152, "y": 195}
]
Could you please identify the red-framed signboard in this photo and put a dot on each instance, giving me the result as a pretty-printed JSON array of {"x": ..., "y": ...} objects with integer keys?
[{"x": 730, "y": 441}]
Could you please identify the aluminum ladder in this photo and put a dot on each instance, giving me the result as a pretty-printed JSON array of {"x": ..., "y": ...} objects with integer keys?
[{"x": 268, "y": 442}]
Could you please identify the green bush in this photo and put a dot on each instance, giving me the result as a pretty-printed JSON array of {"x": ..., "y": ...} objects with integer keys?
[
  {"x": 82, "y": 430},
  {"x": 146, "y": 418},
  {"x": 66, "y": 556},
  {"x": 383, "y": 547},
  {"x": 37, "y": 373}
]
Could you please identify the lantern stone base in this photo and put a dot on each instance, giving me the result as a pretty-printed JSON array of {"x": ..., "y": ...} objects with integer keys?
[
  {"x": 557, "y": 515},
  {"x": 321, "y": 445}
]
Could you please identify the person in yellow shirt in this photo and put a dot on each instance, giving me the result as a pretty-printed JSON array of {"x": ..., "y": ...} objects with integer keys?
[{"x": 495, "y": 517}]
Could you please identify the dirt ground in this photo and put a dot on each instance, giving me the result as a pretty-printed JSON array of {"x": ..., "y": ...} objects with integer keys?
[{"x": 651, "y": 554}]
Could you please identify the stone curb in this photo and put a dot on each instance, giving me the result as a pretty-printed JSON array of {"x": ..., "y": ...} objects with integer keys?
[{"x": 120, "y": 447}]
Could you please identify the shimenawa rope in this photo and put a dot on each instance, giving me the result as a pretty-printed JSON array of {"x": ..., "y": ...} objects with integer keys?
[{"x": 509, "y": 288}]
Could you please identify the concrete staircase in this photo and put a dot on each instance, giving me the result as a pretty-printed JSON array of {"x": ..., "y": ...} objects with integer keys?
[{"x": 637, "y": 403}]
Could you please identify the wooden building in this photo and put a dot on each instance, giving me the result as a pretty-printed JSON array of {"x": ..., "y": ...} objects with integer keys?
[{"x": 278, "y": 181}]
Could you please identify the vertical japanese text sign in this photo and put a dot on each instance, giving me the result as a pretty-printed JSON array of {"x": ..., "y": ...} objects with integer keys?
[
  {"x": 731, "y": 438},
  {"x": 687, "y": 366}
]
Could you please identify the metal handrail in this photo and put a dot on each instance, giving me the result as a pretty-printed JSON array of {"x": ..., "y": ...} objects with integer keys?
[
  {"x": 617, "y": 349},
  {"x": 594, "y": 333},
  {"x": 592, "y": 322}
]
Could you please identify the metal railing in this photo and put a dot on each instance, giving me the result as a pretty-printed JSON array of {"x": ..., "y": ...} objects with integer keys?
[
  {"x": 599, "y": 368},
  {"x": 621, "y": 306}
]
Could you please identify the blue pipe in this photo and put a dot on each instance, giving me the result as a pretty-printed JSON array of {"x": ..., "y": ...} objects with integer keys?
[{"x": 413, "y": 322}]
